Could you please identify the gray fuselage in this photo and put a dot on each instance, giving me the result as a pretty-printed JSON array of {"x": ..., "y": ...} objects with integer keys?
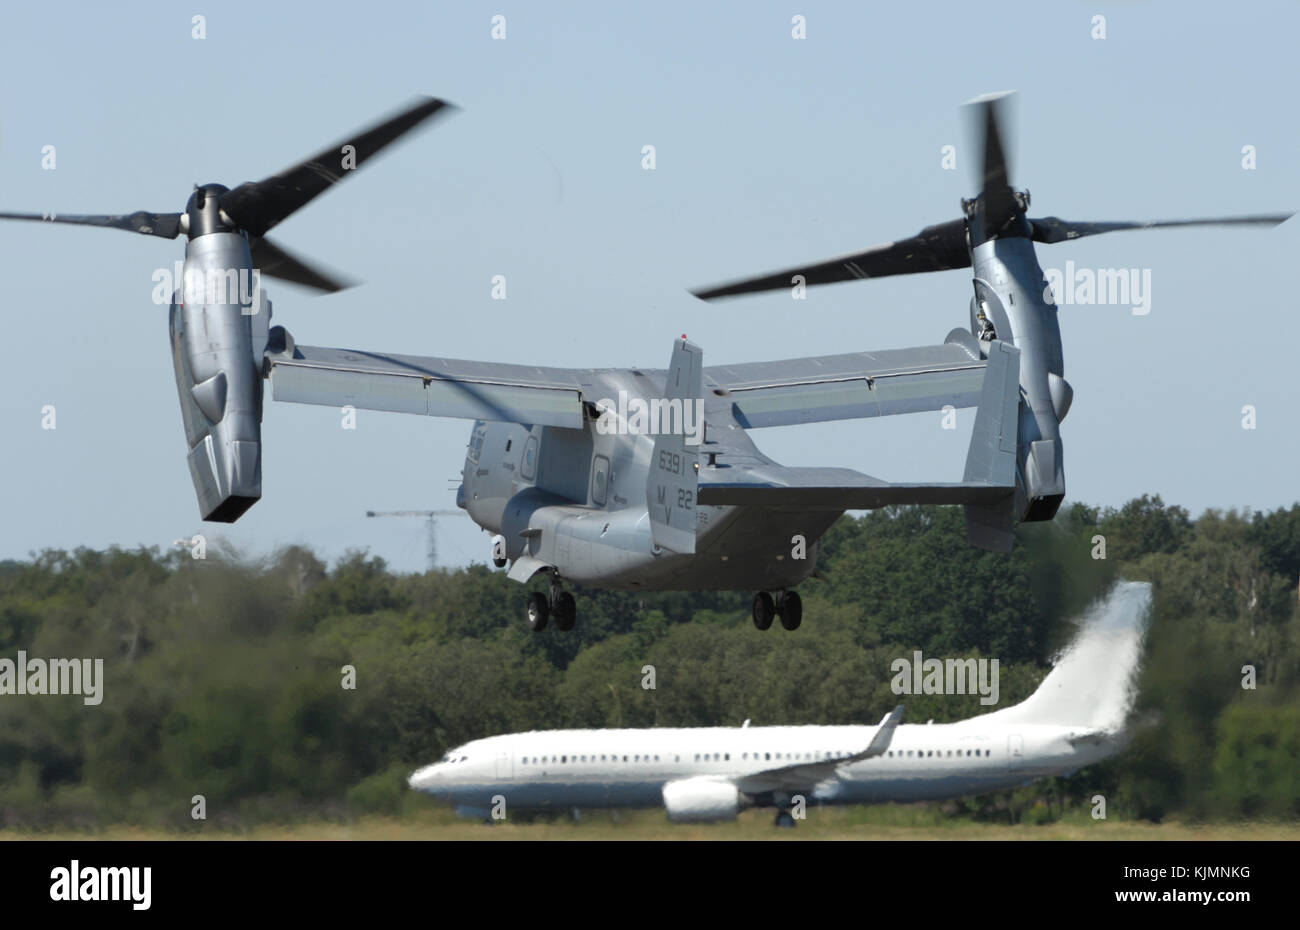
[{"x": 576, "y": 499}]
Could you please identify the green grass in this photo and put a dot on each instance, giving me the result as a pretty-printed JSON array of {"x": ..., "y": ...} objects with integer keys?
[{"x": 885, "y": 822}]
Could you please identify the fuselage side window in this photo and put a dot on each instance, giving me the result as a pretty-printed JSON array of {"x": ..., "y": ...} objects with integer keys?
[
  {"x": 600, "y": 481},
  {"x": 528, "y": 467}
]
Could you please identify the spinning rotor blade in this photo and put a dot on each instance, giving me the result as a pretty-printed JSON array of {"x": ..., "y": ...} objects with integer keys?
[
  {"x": 273, "y": 260},
  {"x": 995, "y": 185},
  {"x": 257, "y": 206},
  {"x": 935, "y": 248},
  {"x": 163, "y": 225},
  {"x": 1055, "y": 229}
]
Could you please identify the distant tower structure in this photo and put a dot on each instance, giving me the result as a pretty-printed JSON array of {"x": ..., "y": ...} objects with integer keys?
[{"x": 431, "y": 516}]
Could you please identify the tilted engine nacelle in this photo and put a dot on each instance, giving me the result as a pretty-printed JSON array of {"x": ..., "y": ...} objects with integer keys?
[
  {"x": 219, "y": 323},
  {"x": 702, "y": 800},
  {"x": 1010, "y": 292}
]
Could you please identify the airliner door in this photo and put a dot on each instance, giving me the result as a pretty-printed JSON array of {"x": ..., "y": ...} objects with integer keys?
[
  {"x": 1015, "y": 751},
  {"x": 505, "y": 764}
]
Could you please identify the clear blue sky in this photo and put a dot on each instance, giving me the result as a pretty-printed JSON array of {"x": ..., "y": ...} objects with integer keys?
[{"x": 770, "y": 151}]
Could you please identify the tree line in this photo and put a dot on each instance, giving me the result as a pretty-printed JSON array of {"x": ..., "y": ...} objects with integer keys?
[{"x": 227, "y": 677}]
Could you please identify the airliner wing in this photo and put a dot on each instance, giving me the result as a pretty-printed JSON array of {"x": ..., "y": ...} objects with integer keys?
[{"x": 803, "y": 775}]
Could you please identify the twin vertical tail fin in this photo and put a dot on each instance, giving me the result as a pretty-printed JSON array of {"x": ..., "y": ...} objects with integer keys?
[
  {"x": 993, "y": 449},
  {"x": 674, "y": 466}
]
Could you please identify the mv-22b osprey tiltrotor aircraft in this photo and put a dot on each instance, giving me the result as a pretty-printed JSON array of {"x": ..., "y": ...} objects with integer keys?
[{"x": 634, "y": 478}]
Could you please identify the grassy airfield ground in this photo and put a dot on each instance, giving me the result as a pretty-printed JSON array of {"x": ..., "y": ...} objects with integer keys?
[{"x": 877, "y": 823}]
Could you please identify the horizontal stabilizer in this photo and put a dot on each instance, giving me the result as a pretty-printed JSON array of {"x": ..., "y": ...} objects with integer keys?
[
  {"x": 988, "y": 488},
  {"x": 844, "y": 496}
]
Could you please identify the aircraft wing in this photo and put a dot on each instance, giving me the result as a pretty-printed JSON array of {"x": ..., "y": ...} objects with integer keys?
[
  {"x": 802, "y": 776},
  {"x": 780, "y": 393},
  {"x": 854, "y": 385},
  {"x": 436, "y": 387}
]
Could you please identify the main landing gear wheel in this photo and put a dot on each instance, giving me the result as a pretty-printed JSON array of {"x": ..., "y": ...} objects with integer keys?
[
  {"x": 565, "y": 610},
  {"x": 538, "y": 611},
  {"x": 789, "y": 608},
  {"x": 764, "y": 610},
  {"x": 785, "y": 820}
]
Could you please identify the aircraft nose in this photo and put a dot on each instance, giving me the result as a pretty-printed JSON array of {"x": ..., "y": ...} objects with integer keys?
[{"x": 425, "y": 779}]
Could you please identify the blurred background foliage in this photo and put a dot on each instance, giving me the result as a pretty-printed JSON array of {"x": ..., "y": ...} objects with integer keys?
[{"x": 223, "y": 676}]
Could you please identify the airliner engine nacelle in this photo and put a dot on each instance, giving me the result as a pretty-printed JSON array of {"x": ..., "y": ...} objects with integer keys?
[
  {"x": 701, "y": 800},
  {"x": 219, "y": 323}
]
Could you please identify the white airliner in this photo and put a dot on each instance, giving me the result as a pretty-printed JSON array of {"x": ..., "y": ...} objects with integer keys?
[{"x": 1075, "y": 718}]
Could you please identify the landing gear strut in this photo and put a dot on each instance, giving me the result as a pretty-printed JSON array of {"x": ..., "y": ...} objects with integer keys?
[
  {"x": 787, "y": 605},
  {"x": 557, "y": 605}
]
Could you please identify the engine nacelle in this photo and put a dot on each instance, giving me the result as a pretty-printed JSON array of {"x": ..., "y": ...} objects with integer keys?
[
  {"x": 701, "y": 800},
  {"x": 219, "y": 323},
  {"x": 1010, "y": 289}
]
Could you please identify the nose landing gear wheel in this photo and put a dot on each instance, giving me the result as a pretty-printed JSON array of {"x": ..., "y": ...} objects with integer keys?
[
  {"x": 790, "y": 608},
  {"x": 538, "y": 611},
  {"x": 764, "y": 610}
]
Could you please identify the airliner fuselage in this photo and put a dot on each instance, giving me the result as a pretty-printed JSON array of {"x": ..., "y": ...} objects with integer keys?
[{"x": 563, "y": 769}]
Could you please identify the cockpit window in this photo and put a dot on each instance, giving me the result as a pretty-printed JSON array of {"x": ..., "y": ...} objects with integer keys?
[{"x": 476, "y": 445}]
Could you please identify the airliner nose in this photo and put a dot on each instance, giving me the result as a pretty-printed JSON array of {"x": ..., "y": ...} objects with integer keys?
[{"x": 425, "y": 779}]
